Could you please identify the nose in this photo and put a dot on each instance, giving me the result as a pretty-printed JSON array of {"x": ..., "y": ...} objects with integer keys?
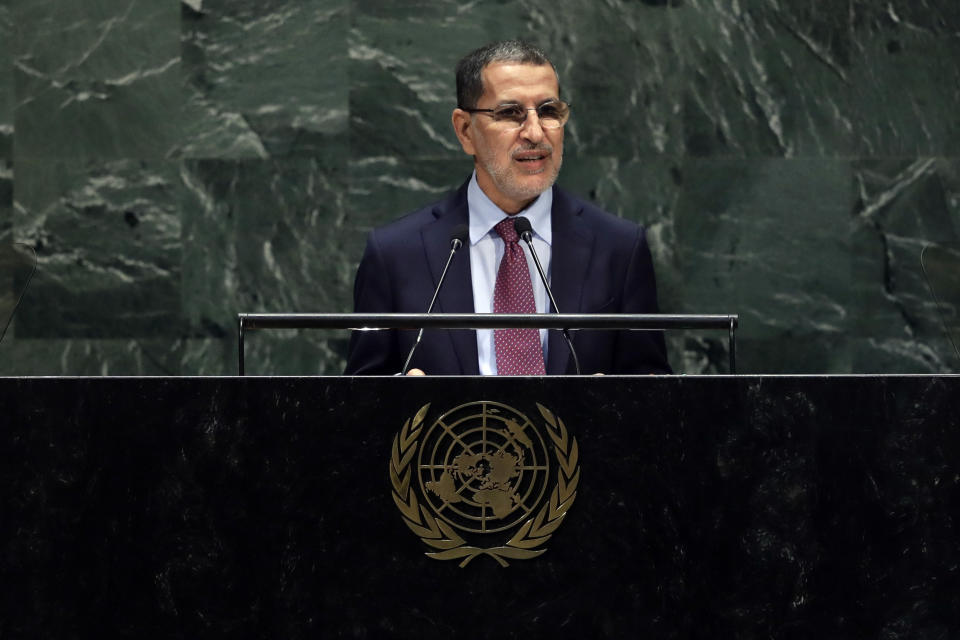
[{"x": 531, "y": 129}]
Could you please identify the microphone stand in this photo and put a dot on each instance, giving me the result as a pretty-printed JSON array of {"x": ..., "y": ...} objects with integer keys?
[
  {"x": 527, "y": 236},
  {"x": 455, "y": 243}
]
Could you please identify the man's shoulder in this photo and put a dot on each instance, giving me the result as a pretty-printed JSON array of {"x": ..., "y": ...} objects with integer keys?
[
  {"x": 595, "y": 216},
  {"x": 414, "y": 221}
]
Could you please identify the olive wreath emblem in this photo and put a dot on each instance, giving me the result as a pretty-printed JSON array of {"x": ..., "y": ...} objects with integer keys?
[{"x": 527, "y": 542}]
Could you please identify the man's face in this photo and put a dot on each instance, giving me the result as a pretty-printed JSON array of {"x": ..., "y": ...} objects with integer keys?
[{"x": 513, "y": 166}]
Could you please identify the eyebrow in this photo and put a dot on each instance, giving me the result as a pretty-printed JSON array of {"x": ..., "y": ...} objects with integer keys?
[{"x": 511, "y": 103}]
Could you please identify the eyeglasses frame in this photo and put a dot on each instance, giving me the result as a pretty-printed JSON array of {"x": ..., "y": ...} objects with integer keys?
[{"x": 520, "y": 124}]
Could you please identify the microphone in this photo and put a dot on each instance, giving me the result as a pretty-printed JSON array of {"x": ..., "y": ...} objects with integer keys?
[
  {"x": 458, "y": 237},
  {"x": 523, "y": 228}
]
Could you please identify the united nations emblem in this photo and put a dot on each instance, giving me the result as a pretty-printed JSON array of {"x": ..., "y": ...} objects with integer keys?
[{"x": 483, "y": 479}]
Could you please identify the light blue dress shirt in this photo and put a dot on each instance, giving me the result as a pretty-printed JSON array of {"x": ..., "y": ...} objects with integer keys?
[{"x": 486, "y": 250}]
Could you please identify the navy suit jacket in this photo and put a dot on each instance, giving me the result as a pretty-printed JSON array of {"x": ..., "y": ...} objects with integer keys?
[{"x": 600, "y": 264}]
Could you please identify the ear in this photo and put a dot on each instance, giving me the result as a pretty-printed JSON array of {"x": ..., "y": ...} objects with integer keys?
[{"x": 461, "y": 126}]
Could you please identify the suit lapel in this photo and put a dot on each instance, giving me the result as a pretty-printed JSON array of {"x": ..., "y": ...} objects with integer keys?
[
  {"x": 457, "y": 293},
  {"x": 570, "y": 258}
]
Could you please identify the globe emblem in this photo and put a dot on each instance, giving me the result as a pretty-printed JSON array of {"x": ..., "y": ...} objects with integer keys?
[{"x": 483, "y": 467}]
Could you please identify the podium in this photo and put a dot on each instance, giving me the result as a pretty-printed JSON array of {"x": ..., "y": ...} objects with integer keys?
[{"x": 733, "y": 507}]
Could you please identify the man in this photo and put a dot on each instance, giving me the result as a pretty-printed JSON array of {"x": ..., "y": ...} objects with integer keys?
[{"x": 510, "y": 118}]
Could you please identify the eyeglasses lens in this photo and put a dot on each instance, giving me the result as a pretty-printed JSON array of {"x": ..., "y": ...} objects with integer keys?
[{"x": 552, "y": 115}]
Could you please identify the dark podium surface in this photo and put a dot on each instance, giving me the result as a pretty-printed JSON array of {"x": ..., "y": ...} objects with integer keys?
[{"x": 726, "y": 507}]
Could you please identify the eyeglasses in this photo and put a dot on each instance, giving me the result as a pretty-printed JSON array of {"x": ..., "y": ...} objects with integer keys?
[{"x": 552, "y": 115}]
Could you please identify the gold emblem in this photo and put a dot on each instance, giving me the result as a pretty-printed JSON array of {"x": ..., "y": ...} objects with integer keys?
[{"x": 483, "y": 472}]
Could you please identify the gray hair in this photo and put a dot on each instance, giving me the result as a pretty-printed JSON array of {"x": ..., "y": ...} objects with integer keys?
[{"x": 471, "y": 66}]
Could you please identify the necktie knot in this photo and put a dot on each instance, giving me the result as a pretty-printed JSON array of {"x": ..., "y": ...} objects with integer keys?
[{"x": 506, "y": 230}]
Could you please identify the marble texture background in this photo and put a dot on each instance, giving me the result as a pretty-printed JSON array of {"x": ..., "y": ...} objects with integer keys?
[{"x": 175, "y": 163}]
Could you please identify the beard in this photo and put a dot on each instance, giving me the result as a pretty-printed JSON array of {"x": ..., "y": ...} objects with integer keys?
[{"x": 512, "y": 182}]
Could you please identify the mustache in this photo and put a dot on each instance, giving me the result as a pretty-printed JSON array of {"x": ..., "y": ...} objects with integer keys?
[{"x": 543, "y": 147}]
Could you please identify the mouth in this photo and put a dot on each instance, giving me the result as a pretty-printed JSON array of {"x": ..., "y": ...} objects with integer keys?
[
  {"x": 533, "y": 160},
  {"x": 531, "y": 157}
]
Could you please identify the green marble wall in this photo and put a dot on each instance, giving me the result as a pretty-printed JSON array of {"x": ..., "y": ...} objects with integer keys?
[{"x": 174, "y": 163}]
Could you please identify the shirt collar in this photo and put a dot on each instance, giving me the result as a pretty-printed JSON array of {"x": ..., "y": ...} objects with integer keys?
[{"x": 484, "y": 215}]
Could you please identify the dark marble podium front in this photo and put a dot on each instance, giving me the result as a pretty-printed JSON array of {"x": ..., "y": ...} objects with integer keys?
[{"x": 729, "y": 507}]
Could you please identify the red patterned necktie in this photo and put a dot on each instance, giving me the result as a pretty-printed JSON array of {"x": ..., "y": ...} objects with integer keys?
[{"x": 519, "y": 352}]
